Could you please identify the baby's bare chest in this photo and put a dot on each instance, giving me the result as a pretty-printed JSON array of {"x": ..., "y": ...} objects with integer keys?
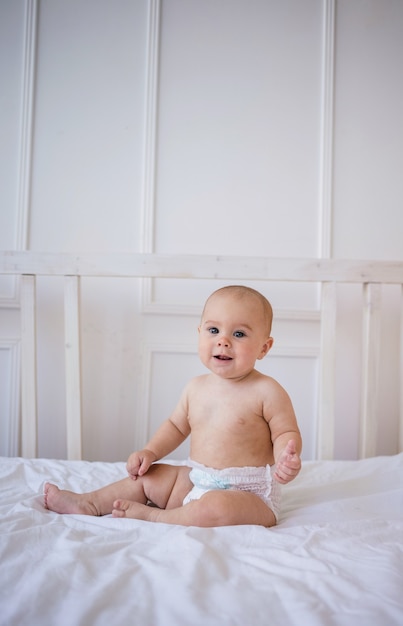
[{"x": 226, "y": 413}]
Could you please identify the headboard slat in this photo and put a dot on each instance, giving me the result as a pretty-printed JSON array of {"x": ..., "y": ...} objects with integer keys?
[
  {"x": 28, "y": 367},
  {"x": 326, "y": 412},
  {"x": 201, "y": 266},
  {"x": 73, "y": 366},
  {"x": 371, "y": 311},
  {"x": 401, "y": 373}
]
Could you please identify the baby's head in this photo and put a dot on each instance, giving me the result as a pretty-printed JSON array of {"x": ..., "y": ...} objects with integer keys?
[
  {"x": 248, "y": 297},
  {"x": 234, "y": 331}
]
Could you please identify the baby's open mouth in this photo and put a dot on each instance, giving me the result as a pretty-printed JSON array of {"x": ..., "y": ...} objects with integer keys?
[{"x": 222, "y": 357}]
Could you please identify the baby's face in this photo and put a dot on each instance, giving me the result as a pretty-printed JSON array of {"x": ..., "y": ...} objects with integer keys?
[{"x": 232, "y": 335}]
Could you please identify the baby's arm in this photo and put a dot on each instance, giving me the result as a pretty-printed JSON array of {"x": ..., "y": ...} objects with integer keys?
[
  {"x": 285, "y": 436},
  {"x": 288, "y": 463},
  {"x": 139, "y": 462},
  {"x": 167, "y": 438}
]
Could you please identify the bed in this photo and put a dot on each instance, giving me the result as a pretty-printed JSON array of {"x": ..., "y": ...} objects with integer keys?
[{"x": 335, "y": 557}]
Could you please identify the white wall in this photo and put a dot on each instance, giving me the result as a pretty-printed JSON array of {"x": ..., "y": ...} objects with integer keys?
[{"x": 249, "y": 127}]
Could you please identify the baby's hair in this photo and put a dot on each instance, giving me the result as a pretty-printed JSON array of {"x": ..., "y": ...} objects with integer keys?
[{"x": 241, "y": 291}]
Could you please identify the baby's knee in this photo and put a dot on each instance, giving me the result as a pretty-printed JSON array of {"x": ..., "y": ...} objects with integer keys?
[
  {"x": 228, "y": 508},
  {"x": 166, "y": 485},
  {"x": 216, "y": 509}
]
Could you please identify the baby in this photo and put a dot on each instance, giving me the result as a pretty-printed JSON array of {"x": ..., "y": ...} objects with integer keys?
[{"x": 245, "y": 441}]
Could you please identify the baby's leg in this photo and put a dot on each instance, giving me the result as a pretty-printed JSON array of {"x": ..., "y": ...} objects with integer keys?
[
  {"x": 97, "y": 502},
  {"x": 157, "y": 485},
  {"x": 216, "y": 508}
]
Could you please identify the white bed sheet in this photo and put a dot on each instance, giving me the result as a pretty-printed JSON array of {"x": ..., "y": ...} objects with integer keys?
[{"x": 335, "y": 558}]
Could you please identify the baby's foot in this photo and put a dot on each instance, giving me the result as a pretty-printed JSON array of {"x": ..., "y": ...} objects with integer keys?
[
  {"x": 61, "y": 501},
  {"x": 134, "y": 510}
]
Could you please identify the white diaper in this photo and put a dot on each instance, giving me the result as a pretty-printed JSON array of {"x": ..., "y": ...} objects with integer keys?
[{"x": 257, "y": 480}]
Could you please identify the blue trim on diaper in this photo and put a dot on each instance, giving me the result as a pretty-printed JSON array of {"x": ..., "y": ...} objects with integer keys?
[{"x": 204, "y": 480}]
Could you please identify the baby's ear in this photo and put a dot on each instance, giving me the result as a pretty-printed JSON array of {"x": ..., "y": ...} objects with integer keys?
[{"x": 267, "y": 346}]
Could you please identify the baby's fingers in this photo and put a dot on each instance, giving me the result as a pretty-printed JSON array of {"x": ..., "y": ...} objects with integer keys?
[
  {"x": 133, "y": 466},
  {"x": 133, "y": 473},
  {"x": 285, "y": 472},
  {"x": 144, "y": 465},
  {"x": 287, "y": 467}
]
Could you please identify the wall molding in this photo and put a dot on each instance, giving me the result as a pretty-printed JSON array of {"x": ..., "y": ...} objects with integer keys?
[
  {"x": 295, "y": 352},
  {"x": 21, "y": 232},
  {"x": 327, "y": 131},
  {"x": 151, "y": 349},
  {"x": 11, "y": 422},
  {"x": 191, "y": 310},
  {"x": 325, "y": 191},
  {"x": 150, "y": 143}
]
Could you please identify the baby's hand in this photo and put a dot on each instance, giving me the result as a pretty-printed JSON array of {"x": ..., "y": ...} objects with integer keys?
[
  {"x": 288, "y": 464},
  {"x": 139, "y": 462}
]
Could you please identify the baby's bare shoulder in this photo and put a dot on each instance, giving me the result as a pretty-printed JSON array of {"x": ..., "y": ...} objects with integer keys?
[
  {"x": 267, "y": 382},
  {"x": 196, "y": 384},
  {"x": 271, "y": 391}
]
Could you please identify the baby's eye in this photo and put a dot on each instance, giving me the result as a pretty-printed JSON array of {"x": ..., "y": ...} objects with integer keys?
[
  {"x": 213, "y": 330},
  {"x": 239, "y": 333}
]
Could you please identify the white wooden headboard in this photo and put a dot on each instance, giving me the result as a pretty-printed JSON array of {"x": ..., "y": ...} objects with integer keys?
[{"x": 327, "y": 272}]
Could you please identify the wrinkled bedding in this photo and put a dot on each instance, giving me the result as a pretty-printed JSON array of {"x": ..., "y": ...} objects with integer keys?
[{"x": 335, "y": 558}]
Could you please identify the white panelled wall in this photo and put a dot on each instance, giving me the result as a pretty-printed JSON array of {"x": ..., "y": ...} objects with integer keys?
[{"x": 228, "y": 127}]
